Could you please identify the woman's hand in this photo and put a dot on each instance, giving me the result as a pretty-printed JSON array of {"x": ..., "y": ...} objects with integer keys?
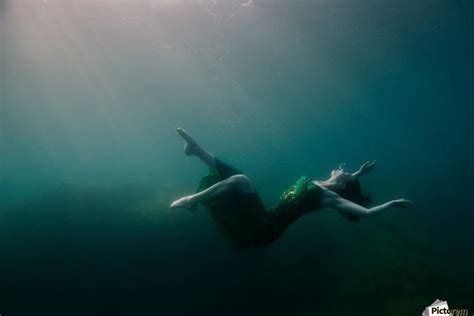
[
  {"x": 401, "y": 203},
  {"x": 366, "y": 167}
]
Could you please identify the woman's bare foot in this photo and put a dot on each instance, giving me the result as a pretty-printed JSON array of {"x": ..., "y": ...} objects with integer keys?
[
  {"x": 191, "y": 148},
  {"x": 184, "y": 203}
]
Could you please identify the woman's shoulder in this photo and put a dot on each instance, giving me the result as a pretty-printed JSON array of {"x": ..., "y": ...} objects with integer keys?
[
  {"x": 319, "y": 185},
  {"x": 325, "y": 192}
]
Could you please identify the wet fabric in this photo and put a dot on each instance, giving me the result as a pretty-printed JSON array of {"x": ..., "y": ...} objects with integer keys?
[
  {"x": 242, "y": 218},
  {"x": 303, "y": 197}
]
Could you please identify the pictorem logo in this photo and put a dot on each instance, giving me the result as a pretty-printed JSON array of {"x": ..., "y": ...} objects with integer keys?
[{"x": 441, "y": 308}]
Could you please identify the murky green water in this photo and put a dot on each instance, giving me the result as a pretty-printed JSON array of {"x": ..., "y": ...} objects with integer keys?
[{"x": 91, "y": 93}]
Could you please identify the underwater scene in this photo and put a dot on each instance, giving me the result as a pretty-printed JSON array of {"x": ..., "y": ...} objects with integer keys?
[{"x": 92, "y": 93}]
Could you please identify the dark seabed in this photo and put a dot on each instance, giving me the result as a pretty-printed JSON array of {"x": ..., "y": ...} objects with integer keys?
[{"x": 91, "y": 93}]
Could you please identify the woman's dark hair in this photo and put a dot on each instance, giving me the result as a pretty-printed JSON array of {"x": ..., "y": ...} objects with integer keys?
[{"x": 352, "y": 191}]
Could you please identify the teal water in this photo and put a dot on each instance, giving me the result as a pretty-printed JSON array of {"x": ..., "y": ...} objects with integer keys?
[{"x": 91, "y": 93}]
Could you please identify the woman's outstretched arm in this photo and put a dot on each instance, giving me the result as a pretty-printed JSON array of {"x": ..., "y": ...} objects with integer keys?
[{"x": 333, "y": 200}]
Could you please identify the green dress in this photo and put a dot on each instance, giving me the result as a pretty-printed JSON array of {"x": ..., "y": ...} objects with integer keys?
[{"x": 242, "y": 217}]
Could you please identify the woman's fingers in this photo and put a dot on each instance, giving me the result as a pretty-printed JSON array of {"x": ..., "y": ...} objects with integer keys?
[
  {"x": 368, "y": 165},
  {"x": 404, "y": 203}
]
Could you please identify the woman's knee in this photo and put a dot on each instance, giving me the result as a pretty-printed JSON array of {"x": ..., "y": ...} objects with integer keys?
[
  {"x": 242, "y": 183},
  {"x": 239, "y": 178}
]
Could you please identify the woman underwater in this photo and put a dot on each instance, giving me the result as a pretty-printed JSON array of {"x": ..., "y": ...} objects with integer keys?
[{"x": 238, "y": 211}]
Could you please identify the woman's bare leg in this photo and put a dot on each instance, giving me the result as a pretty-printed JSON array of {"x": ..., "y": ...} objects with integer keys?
[
  {"x": 237, "y": 182},
  {"x": 192, "y": 148}
]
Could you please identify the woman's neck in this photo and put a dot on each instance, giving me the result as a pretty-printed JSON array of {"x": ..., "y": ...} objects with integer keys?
[{"x": 328, "y": 184}]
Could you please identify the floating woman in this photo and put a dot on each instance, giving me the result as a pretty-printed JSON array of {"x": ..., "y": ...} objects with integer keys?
[{"x": 238, "y": 211}]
